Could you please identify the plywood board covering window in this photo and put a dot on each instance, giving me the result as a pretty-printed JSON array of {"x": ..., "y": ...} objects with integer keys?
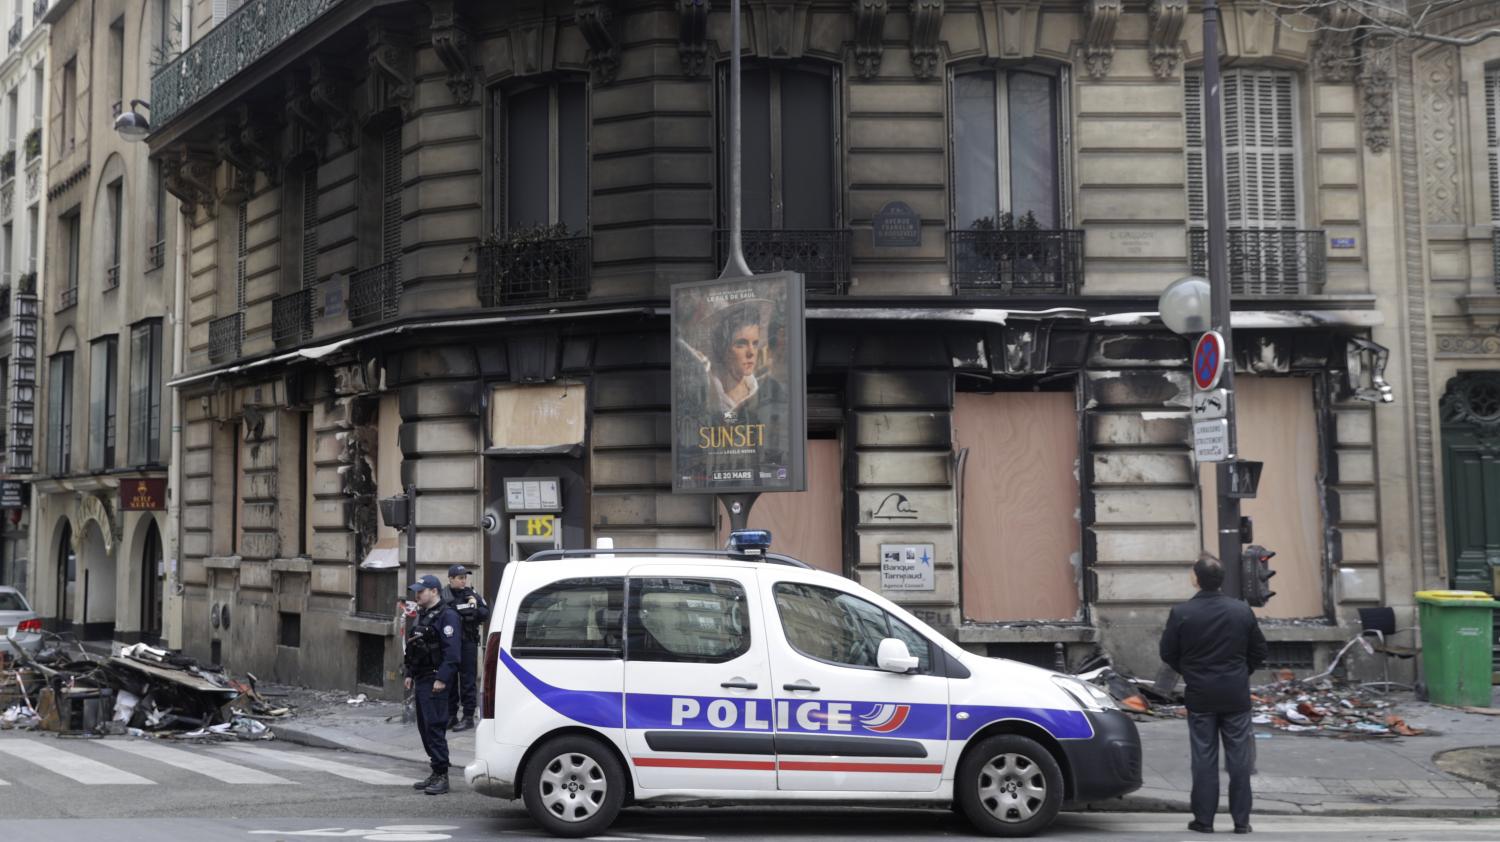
[
  {"x": 387, "y": 458},
  {"x": 1021, "y": 537},
  {"x": 1278, "y": 425},
  {"x": 807, "y": 525},
  {"x": 537, "y": 417}
]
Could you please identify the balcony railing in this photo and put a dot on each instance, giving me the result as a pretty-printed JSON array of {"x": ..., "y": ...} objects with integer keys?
[
  {"x": 375, "y": 293},
  {"x": 291, "y": 318},
  {"x": 224, "y": 337},
  {"x": 822, "y": 256},
  {"x": 238, "y": 42},
  {"x": 112, "y": 277},
  {"x": 15, "y": 32},
  {"x": 1268, "y": 261},
  {"x": 1008, "y": 262},
  {"x": 535, "y": 271},
  {"x": 156, "y": 256},
  {"x": 68, "y": 298},
  {"x": 39, "y": 8}
]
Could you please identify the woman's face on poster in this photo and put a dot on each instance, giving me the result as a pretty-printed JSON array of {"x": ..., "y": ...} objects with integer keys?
[{"x": 744, "y": 349}]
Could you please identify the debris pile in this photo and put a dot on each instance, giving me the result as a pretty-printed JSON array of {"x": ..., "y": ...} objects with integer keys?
[{"x": 142, "y": 691}]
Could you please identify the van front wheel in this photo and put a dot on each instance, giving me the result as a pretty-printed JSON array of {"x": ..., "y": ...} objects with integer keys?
[
  {"x": 1009, "y": 785},
  {"x": 573, "y": 786}
]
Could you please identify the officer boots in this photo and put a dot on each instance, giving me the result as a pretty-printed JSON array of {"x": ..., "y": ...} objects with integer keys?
[
  {"x": 425, "y": 782},
  {"x": 465, "y": 725},
  {"x": 439, "y": 785}
]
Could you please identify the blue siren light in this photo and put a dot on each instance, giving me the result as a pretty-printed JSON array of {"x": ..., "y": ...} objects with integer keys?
[{"x": 750, "y": 541}]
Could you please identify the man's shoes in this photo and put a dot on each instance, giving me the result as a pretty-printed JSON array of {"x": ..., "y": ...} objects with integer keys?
[
  {"x": 425, "y": 782},
  {"x": 452, "y": 721},
  {"x": 465, "y": 725},
  {"x": 439, "y": 785},
  {"x": 1242, "y": 828},
  {"x": 1198, "y": 827}
]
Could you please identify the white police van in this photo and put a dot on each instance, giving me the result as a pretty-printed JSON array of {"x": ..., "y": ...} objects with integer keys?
[{"x": 677, "y": 676}]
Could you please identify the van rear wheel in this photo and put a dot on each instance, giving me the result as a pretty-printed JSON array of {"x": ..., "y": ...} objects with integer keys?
[
  {"x": 1009, "y": 785},
  {"x": 573, "y": 786}
]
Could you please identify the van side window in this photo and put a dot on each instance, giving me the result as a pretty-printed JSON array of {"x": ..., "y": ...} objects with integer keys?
[
  {"x": 832, "y": 626},
  {"x": 703, "y": 621},
  {"x": 572, "y": 618}
]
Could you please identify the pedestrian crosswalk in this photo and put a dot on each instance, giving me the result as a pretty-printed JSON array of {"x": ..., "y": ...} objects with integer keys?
[{"x": 140, "y": 763}]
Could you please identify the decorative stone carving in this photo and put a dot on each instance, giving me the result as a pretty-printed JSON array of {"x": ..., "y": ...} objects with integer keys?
[
  {"x": 926, "y": 24},
  {"x": 1364, "y": 369},
  {"x": 390, "y": 82},
  {"x": 1465, "y": 345},
  {"x": 192, "y": 181},
  {"x": 1099, "y": 35},
  {"x": 450, "y": 40},
  {"x": 1334, "y": 57},
  {"x": 783, "y": 26},
  {"x": 869, "y": 36},
  {"x": 305, "y": 121},
  {"x": 1375, "y": 83},
  {"x": 246, "y": 146},
  {"x": 1437, "y": 124},
  {"x": 328, "y": 90},
  {"x": 595, "y": 20},
  {"x": 1473, "y": 400},
  {"x": 692, "y": 35},
  {"x": 1165, "y": 40}
]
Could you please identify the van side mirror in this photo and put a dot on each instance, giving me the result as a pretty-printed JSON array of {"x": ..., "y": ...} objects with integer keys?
[{"x": 895, "y": 657}]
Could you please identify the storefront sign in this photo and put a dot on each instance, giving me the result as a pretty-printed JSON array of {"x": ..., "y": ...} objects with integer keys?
[
  {"x": 906, "y": 567},
  {"x": 739, "y": 386},
  {"x": 12, "y": 494},
  {"x": 147, "y": 494},
  {"x": 896, "y": 225}
]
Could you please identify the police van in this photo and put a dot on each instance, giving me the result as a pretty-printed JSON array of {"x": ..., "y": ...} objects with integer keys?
[{"x": 619, "y": 677}]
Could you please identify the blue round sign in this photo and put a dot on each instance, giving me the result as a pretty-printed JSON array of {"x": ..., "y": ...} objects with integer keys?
[{"x": 1208, "y": 360}]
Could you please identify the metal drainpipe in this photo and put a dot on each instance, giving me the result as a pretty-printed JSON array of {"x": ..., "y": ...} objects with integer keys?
[{"x": 172, "y": 621}]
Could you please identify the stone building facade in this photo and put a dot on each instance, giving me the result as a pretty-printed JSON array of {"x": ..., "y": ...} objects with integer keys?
[
  {"x": 430, "y": 246},
  {"x": 99, "y": 568}
]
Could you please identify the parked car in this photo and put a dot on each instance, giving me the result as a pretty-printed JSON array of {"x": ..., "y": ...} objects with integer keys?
[
  {"x": 672, "y": 676},
  {"x": 20, "y": 627}
]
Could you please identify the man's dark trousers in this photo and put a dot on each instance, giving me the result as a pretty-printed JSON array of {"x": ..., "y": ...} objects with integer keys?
[
  {"x": 432, "y": 722},
  {"x": 1205, "y": 731},
  {"x": 468, "y": 673}
]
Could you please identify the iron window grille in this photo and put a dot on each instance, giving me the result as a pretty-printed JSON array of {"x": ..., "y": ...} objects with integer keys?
[
  {"x": 822, "y": 256},
  {"x": 224, "y": 338},
  {"x": 1016, "y": 262},
  {"x": 527, "y": 271},
  {"x": 67, "y": 299},
  {"x": 291, "y": 318},
  {"x": 1277, "y": 261},
  {"x": 375, "y": 293},
  {"x": 156, "y": 255}
]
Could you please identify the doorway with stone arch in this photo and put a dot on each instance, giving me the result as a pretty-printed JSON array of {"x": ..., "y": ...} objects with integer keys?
[
  {"x": 1470, "y": 410},
  {"x": 67, "y": 576}
]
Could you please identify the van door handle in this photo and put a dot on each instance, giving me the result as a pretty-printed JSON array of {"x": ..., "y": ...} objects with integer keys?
[
  {"x": 739, "y": 685},
  {"x": 804, "y": 685}
]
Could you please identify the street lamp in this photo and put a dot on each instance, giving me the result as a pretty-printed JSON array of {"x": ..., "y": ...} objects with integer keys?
[
  {"x": 133, "y": 125},
  {"x": 1186, "y": 305}
]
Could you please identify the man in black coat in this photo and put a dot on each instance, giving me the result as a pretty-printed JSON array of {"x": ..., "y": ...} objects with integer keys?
[
  {"x": 474, "y": 612},
  {"x": 1214, "y": 642}
]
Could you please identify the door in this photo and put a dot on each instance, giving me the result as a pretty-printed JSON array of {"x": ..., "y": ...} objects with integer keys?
[
  {"x": 572, "y": 521},
  {"x": 1471, "y": 478},
  {"x": 67, "y": 575},
  {"x": 697, "y": 681},
  {"x": 151, "y": 583},
  {"x": 843, "y": 724}
]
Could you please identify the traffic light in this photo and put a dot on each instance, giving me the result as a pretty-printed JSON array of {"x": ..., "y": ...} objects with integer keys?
[{"x": 1256, "y": 573}]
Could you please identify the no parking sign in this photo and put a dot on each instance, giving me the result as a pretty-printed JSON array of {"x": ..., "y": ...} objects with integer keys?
[{"x": 1208, "y": 360}]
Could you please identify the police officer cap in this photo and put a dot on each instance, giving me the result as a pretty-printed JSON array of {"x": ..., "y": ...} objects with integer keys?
[
  {"x": 458, "y": 570},
  {"x": 424, "y": 583}
]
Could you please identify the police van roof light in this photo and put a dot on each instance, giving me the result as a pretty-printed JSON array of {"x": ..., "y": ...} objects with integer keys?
[{"x": 750, "y": 541}]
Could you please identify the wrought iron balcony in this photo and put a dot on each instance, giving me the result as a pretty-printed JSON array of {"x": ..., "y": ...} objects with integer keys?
[
  {"x": 1009, "y": 262},
  {"x": 40, "y": 8},
  {"x": 822, "y": 256},
  {"x": 1268, "y": 261},
  {"x": 112, "y": 277},
  {"x": 224, "y": 337},
  {"x": 239, "y": 41},
  {"x": 67, "y": 299},
  {"x": 375, "y": 293},
  {"x": 156, "y": 256},
  {"x": 15, "y": 32},
  {"x": 529, "y": 271},
  {"x": 291, "y": 318}
]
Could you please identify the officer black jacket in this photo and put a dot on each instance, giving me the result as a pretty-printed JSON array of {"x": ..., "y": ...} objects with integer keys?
[
  {"x": 1214, "y": 642},
  {"x": 474, "y": 617},
  {"x": 432, "y": 644}
]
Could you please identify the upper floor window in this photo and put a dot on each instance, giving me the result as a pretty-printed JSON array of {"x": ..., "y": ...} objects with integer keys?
[
  {"x": 60, "y": 414},
  {"x": 117, "y": 61},
  {"x": 69, "y": 105},
  {"x": 145, "y": 393},
  {"x": 103, "y": 356},
  {"x": 790, "y": 119},
  {"x": 1260, "y": 148},
  {"x": 539, "y": 155},
  {"x": 1007, "y": 148}
]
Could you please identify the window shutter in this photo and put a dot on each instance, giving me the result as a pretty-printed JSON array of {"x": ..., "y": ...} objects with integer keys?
[
  {"x": 310, "y": 226},
  {"x": 1260, "y": 140},
  {"x": 220, "y": 11},
  {"x": 1197, "y": 189},
  {"x": 1492, "y": 123},
  {"x": 241, "y": 253},
  {"x": 390, "y": 227}
]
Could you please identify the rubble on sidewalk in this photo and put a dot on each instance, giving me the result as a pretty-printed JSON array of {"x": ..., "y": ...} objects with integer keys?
[{"x": 142, "y": 691}]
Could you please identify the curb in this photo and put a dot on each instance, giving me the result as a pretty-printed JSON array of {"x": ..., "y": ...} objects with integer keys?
[{"x": 1273, "y": 807}]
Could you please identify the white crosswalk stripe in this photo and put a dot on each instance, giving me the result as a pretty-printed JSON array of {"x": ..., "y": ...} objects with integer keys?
[
  {"x": 271, "y": 756},
  {"x": 68, "y": 764},
  {"x": 220, "y": 770}
]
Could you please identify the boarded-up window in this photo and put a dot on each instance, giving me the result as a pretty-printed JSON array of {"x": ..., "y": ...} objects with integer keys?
[
  {"x": 1021, "y": 537},
  {"x": 387, "y": 461},
  {"x": 1277, "y": 425},
  {"x": 537, "y": 418},
  {"x": 807, "y": 525}
]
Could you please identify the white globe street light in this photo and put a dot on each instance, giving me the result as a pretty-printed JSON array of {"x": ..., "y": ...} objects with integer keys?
[
  {"x": 133, "y": 125},
  {"x": 1185, "y": 305}
]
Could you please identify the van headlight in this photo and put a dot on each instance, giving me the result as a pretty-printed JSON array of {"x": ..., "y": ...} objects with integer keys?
[{"x": 1087, "y": 695}]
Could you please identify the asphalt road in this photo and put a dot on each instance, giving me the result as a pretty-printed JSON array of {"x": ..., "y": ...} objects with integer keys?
[{"x": 123, "y": 789}]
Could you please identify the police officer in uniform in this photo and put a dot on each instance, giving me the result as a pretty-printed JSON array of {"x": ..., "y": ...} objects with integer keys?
[
  {"x": 432, "y": 654},
  {"x": 474, "y": 612}
]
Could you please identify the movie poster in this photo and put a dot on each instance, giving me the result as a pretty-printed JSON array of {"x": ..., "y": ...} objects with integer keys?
[{"x": 738, "y": 385}]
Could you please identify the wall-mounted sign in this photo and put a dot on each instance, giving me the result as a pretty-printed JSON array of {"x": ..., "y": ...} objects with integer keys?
[
  {"x": 539, "y": 526},
  {"x": 1211, "y": 404},
  {"x": 146, "y": 494},
  {"x": 739, "y": 385},
  {"x": 896, "y": 226},
  {"x": 1211, "y": 440},
  {"x": 1208, "y": 360},
  {"x": 1342, "y": 242},
  {"x": 538, "y": 494},
  {"x": 907, "y": 567},
  {"x": 12, "y": 494}
]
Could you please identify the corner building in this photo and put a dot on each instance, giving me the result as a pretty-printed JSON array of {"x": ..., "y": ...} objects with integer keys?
[{"x": 430, "y": 245}]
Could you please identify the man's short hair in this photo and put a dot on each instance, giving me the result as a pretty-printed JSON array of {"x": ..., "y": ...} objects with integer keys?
[{"x": 1210, "y": 572}]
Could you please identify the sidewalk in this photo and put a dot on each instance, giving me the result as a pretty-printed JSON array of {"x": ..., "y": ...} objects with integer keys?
[{"x": 1298, "y": 774}]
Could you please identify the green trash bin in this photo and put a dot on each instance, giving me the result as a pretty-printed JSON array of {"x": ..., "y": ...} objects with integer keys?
[{"x": 1457, "y": 629}]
